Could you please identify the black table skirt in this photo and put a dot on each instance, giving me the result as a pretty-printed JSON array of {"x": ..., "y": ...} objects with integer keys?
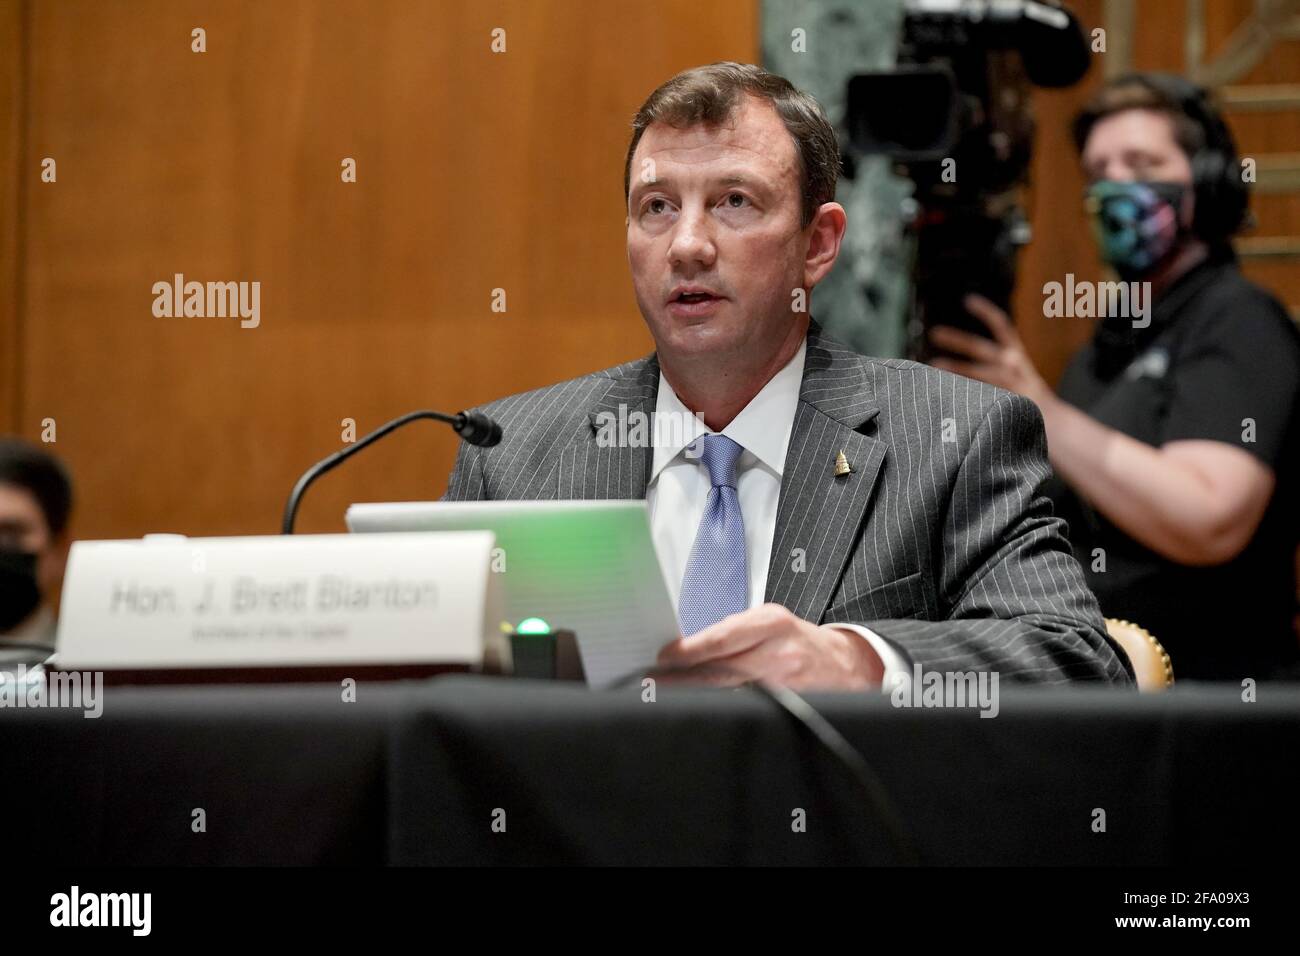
[{"x": 480, "y": 770}]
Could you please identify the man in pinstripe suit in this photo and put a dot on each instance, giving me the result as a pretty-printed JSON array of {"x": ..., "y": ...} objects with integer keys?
[{"x": 824, "y": 519}]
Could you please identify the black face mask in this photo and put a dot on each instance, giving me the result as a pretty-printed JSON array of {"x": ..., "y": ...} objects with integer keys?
[{"x": 19, "y": 593}]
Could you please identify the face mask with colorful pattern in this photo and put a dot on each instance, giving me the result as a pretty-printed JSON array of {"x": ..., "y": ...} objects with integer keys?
[{"x": 1136, "y": 224}]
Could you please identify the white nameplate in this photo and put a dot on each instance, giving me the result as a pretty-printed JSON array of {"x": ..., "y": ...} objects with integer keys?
[{"x": 294, "y": 600}]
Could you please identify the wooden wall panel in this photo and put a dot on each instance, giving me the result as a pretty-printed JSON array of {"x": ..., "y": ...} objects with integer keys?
[
  {"x": 13, "y": 65},
  {"x": 476, "y": 171}
]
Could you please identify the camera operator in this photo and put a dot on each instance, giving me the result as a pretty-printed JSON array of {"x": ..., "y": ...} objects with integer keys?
[{"x": 1175, "y": 440}]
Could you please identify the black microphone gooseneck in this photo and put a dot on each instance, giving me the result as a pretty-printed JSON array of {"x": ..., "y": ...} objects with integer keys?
[{"x": 475, "y": 427}]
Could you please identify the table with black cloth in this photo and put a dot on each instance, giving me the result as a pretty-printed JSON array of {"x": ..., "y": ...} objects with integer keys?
[{"x": 418, "y": 772}]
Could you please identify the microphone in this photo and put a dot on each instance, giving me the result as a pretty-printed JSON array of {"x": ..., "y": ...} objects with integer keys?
[{"x": 474, "y": 427}]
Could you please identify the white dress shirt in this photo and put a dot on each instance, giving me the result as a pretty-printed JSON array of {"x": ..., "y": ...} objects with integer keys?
[{"x": 679, "y": 486}]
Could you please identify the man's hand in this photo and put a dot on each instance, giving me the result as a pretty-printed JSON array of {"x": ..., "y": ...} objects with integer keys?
[
  {"x": 1002, "y": 361},
  {"x": 771, "y": 644}
]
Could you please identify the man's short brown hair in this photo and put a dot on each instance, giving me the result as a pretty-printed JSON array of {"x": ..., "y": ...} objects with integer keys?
[{"x": 711, "y": 94}]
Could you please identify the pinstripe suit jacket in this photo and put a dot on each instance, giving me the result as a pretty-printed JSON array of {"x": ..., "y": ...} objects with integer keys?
[{"x": 938, "y": 540}]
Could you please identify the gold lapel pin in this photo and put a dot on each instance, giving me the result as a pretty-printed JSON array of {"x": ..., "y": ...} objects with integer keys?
[{"x": 841, "y": 464}]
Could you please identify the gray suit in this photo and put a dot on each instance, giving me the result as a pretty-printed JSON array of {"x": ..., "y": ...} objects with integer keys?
[{"x": 938, "y": 540}]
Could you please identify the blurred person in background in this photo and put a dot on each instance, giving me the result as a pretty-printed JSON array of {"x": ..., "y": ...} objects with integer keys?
[
  {"x": 35, "y": 505},
  {"x": 1173, "y": 435}
]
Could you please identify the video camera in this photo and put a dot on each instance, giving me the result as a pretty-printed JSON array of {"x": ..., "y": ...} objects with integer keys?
[{"x": 955, "y": 117}]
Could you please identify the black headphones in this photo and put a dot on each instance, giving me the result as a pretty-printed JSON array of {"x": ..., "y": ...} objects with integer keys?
[{"x": 1222, "y": 195}]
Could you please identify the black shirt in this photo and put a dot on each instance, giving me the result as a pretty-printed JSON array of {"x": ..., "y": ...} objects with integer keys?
[{"x": 1220, "y": 357}]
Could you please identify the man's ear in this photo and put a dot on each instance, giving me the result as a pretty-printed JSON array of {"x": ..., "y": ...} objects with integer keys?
[{"x": 825, "y": 233}]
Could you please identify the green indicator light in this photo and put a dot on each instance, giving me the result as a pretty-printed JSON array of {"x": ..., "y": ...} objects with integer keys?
[{"x": 533, "y": 625}]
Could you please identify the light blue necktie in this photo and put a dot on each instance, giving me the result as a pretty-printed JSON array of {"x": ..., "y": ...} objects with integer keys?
[{"x": 716, "y": 582}]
